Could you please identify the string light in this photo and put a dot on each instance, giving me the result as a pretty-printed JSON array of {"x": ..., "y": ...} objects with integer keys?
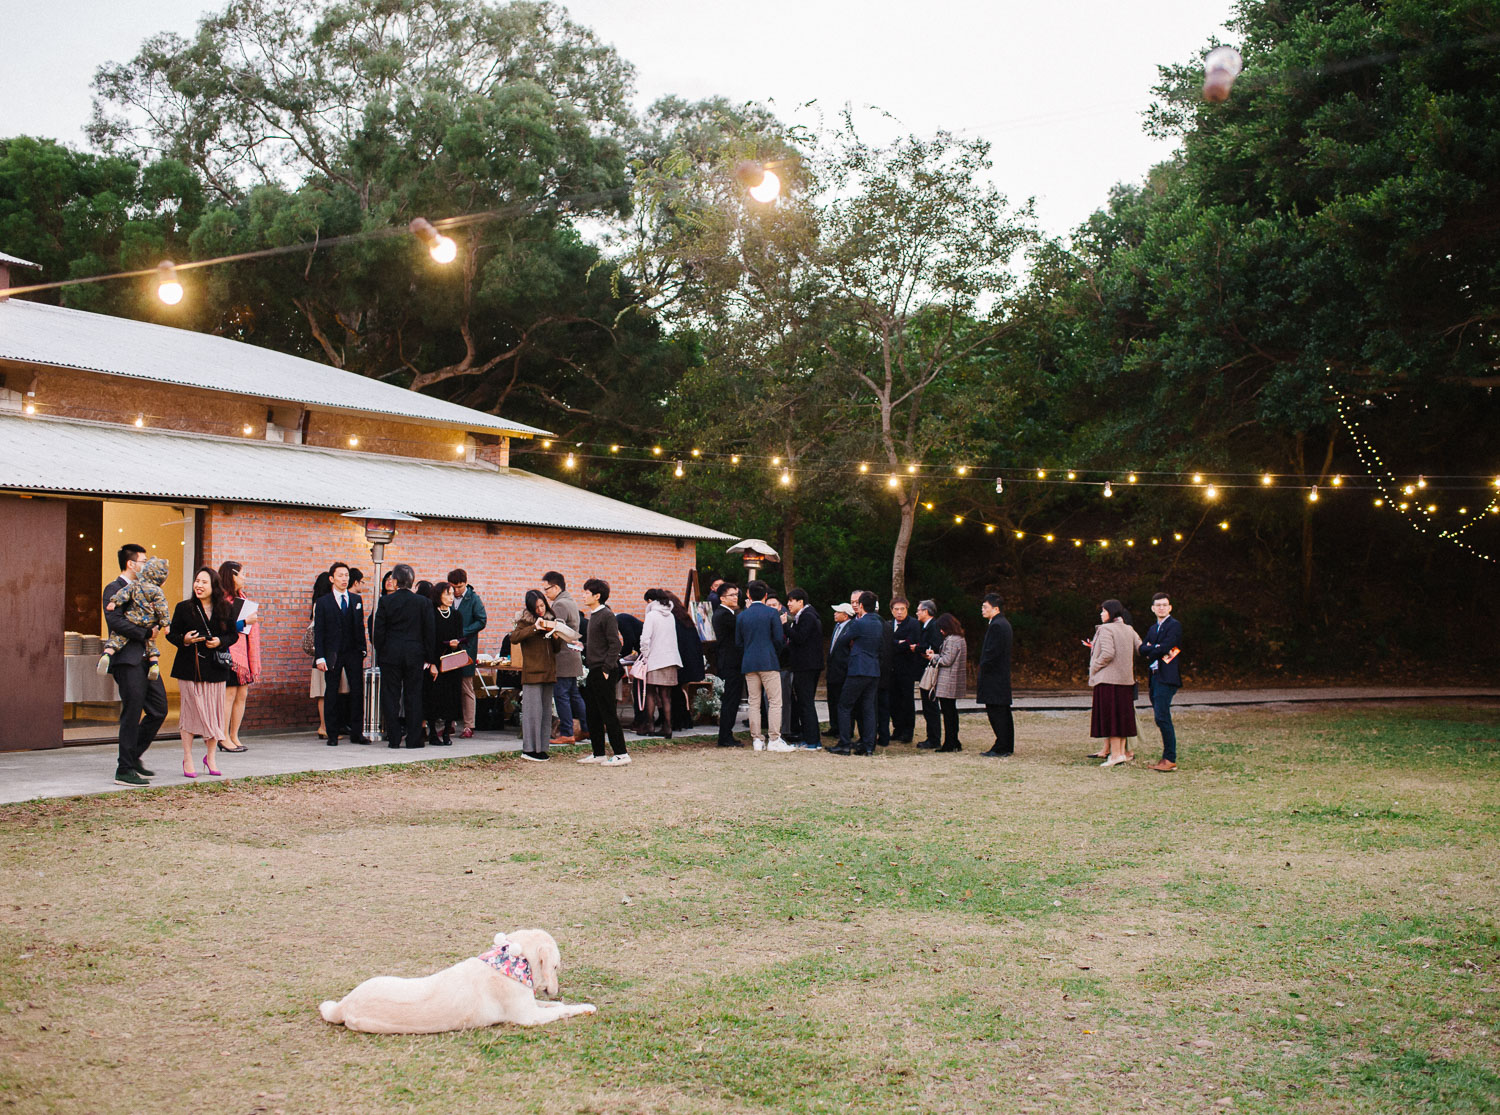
[
  {"x": 655, "y": 449},
  {"x": 168, "y": 285},
  {"x": 140, "y": 420},
  {"x": 928, "y": 506},
  {"x": 734, "y": 460},
  {"x": 775, "y": 462},
  {"x": 677, "y": 472},
  {"x": 1266, "y": 479},
  {"x": 1108, "y": 491},
  {"x": 786, "y": 478},
  {"x": 1176, "y": 536},
  {"x": 911, "y": 469},
  {"x": 1224, "y": 525},
  {"x": 963, "y": 470},
  {"x": 1338, "y": 481},
  {"x": 697, "y": 452},
  {"x": 547, "y": 443},
  {"x": 354, "y": 443},
  {"x": 1379, "y": 502},
  {"x": 1155, "y": 541},
  {"x": 999, "y": 486},
  {"x": 1072, "y": 475},
  {"x": 863, "y": 467},
  {"x": 614, "y": 448},
  {"x": 1211, "y": 492},
  {"x": 1197, "y": 478},
  {"x": 989, "y": 528},
  {"x": 958, "y": 518},
  {"x": 1041, "y": 474},
  {"x": 1421, "y": 481},
  {"x": 1312, "y": 496},
  {"x": 440, "y": 247},
  {"x": 570, "y": 462},
  {"x": 891, "y": 481},
  {"x": 1049, "y": 538},
  {"x": 1131, "y": 478}
]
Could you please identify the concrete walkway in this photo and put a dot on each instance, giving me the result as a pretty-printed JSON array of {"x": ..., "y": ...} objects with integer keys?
[{"x": 89, "y": 769}]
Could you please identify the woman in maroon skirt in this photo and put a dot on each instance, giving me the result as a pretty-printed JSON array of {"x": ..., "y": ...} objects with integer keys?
[{"x": 1112, "y": 676}]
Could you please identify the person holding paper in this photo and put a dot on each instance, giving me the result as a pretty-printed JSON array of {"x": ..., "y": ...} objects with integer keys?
[{"x": 245, "y": 651}]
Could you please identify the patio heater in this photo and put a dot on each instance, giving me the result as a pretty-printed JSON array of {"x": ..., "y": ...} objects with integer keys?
[
  {"x": 380, "y": 529},
  {"x": 755, "y": 552}
]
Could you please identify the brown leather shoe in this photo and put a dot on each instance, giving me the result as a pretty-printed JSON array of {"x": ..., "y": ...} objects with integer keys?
[
  {"x": 1162, "y": 765},
  {"x": 561, "y": 741},
  {"x": 581, "y": 737}
]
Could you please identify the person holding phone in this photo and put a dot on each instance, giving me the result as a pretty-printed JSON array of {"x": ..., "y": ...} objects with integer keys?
[{"x": 203, "y": 632}]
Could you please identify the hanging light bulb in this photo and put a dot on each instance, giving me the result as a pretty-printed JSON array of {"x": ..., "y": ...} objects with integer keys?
[
  {"x": 786, "y": 477},
  {"x": 1409, "y": 489},
  {"x": 911, "y": 469},
  {"x": 168, "y": 287},
  {"x": 1312, "y": 496},
  {"x": 354, "y": 443},
  {"x": 546, "y": 444},
  {"x": 677, "y": 472},
  {"x": 759, "y": 181},
  {"x": 863, "y": 467},
  {"x": 656, "y": 450},
  {"x": 1108, "y": 491},
  {"x": 735, "y": 459},
  {"x": 1041, "y": 474},
  {"x": 1266, "y": 479},
  {"x": 438, "y": 246},
  {"x": 958, "y": 519},
  {"x": 614, "y": 448},
  {"x": 1104, "y": 543},
  {"x": 140, "y": 420},
  {"x": 999, "y": 485},
  {"x": 1176, "y": 536},
  {"x": 1221, "y": 66},
  {"x": 697, "y": 452},
  {"x": 1130, "y": 542},
  {"x": 569, "y": 462},
  {"x": 1211, "y": 492},
  {"x": 775, "y": 461},
  {"x": 1338, "y": 481},
  {"x": 891, "y": 481},
  {"x": 963, "y": 470},
  {"x": 1379, "y": 502},
  {"x": 1224, "y": 525},
  {"x": 1421, "y": 481},
  {"x": 1156, "y": 541},
  {"x": 928, "y": 506},
  {"x": 1049, "y": 537},
  {"x": 989, "y": 528},
  {"x": 1072, "y": 475},
  {"x": 1197, "y": 478},
  {"x": 1131, "y": 478}
]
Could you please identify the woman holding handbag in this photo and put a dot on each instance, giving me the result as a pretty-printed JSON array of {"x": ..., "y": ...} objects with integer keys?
[
  {"x": 202, "y": 632},
  {"x": 245, "y": 652},
  {"x": 536, "y": 628},
  {"x": 450, "y": 656},
  {"x": 952, "y": 662}
]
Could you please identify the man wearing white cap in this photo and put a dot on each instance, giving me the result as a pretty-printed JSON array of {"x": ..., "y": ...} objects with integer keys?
[{"x": 838, "y": 661}]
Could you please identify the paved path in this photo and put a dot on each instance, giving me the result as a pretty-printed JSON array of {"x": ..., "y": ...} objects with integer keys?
[{"x": 71, "y": 771}]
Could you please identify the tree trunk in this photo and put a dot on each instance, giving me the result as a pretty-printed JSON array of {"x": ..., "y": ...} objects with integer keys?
[{"x": 903, "y": 542}]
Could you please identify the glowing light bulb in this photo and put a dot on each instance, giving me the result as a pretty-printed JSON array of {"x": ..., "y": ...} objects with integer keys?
[
  {"x": 1131, "y": 478},
  {"x": 1379, "y": 502},
  {"x": 989, "y": 528},
  {"x": 569, "y": 462},
  {"x": 1072, "y": 475},
  {"x": 697, "y": 452},
  {"x": 1020, "y": 534},
  {"x": 1130, "y": 542},
  {"x": 786, "y": 478},
  {"x": 863, "y": 467},
  {"x": 656, "y": 450},
  {"x": 1312, "y": 496},
  {"x": 30, "y": 408},
  {"x": 1155, "y": 541},
  {"x": 958, "y": 518},
  {"x": 1211, "y": 492},
  {"x": 1108, "y": 491},
  {"x": 1041, "y": 474},
  {"x": 911, "y": 469},
  {"x": 1266, "y": 479},
  {"x": 614, "y": 448},
  {"x": 168, "y": 287},
  {"x": 1224, "y": 525},
  {"x": 1338, "y": 481},
  {"x": 140, "y": 420},
  {"x": 1104, "y": 543},
  {"x": 1403, "y": 505},
  {"x": 1409, "y": 489},
  {"x": 1197, "y": 478},
  {"x": 891, "y": 481},
  {"x": 999, "y": 486},
  {"x": 963, "y": 470},
  {"x": 677, "y": 472},
  {"x": 1421, "y": 481},
  {"x": 1078, "y": 542},
  {"x": 1431, "y": 507},
  {"x": 775, "y": 461},
  {"x": 1463, "y": 510},
  {"x": 1176, "y": 536},
  {"x": 1049, "y": 537},
  {"x": 247, "y": 429},
  {"x": 457, "y": 449},
  {"x": 546, "y": 444},
  {"x": 440, "y": 247},
  {"x": 354, "y": 443},
  {"x": 734, "y": 460}
]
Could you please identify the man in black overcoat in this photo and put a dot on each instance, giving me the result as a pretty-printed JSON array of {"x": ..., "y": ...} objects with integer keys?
[
  {"x": 727, "y": 662},
  {"x": 992, "y": 690},
  {"x": 405, "y": 647},
  {"x": 929, "y": 638},
  {"x": 906, "y": 633}
]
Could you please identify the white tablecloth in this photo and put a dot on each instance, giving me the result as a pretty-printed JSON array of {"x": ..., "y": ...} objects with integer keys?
[{"x": 82, "y": 682}]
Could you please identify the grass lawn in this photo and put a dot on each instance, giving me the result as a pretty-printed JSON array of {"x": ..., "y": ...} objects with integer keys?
[{"x": 1303, "y": 918}]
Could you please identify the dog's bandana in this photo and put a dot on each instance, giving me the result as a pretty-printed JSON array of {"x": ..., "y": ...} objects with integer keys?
[{"x": 515, "y": 967}]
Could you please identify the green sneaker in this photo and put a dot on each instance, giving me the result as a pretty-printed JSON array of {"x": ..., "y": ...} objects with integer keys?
[{"x": 129, "y": 777}]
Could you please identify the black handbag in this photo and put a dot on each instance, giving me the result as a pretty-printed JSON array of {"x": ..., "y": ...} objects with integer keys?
[{"x": 220, "y": 657}]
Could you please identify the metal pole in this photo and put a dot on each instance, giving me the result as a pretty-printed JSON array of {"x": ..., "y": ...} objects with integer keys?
[{"x": 373, "y": 721}]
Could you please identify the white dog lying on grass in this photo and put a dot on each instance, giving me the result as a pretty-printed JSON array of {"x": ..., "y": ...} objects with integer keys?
[{"x": 481, "y": 991}]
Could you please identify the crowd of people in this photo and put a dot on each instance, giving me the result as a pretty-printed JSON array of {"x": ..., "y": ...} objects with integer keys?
[{"x": 572, "y": 656}]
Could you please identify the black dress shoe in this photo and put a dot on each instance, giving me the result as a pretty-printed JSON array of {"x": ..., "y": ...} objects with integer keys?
[
  {"x": 731, "y": 743},
  {"x": 841, "y": 749},
  {"x": 863, "y": 751},
  {"x": 993, "y": 754},
  {"x": 359, "y": 739},
  {"x": 333, "y": 741},
  {"x": 414, "y": 746},
  {"x": 927, "y": 745},
  {"x": 446, "y": 741},
  {"x": 396, "y": 745},
  {"x": 951, "y": 747}
]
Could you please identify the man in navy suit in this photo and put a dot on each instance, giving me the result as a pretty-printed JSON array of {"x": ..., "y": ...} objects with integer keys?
[
  {"x": 339, "y": 648},
  {"x": 143, "y": 699},
  {"x": 805, "y": 638},
  {"x": 859, "y": 693},
  {"x": 1160, "y": 648}
]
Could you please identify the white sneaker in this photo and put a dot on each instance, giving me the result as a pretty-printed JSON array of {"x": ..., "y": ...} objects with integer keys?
[
  {"x": 615, "y": 761},
  {"x": 593, "y": 759},
  {"x": 758, "y": 743},
  {"x": 779, "y": 744}
]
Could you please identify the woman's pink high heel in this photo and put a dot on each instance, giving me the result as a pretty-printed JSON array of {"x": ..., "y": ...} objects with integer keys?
[
  {"x": 188, "y": 773},
  {"x": 209, "y": 767}
]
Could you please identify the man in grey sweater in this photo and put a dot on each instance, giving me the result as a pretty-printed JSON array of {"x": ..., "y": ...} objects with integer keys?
[
  {"x": 565, "y": 693},
  {"x": 601, "y": 654}
]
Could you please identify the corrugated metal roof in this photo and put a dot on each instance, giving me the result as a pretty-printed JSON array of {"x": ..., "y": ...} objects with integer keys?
[
  {"x": 92, "y": 458},
  {"x": 16, "y": 261},
  {"x": 64, "y": 338}
]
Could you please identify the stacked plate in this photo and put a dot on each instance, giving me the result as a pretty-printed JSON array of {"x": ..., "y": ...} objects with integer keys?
[
  {"x": 92, "y": 645},
  {"x": 73, "y": 643}
]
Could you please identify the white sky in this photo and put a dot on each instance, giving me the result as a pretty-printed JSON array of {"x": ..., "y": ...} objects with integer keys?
[{"x": 1058, "y": 88}]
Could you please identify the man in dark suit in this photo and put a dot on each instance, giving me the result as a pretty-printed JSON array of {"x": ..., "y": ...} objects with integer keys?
[
  {"x": 858, "y": 697},
  {"x": 838, "y": 663},
  {"x": 929, "y": 638},
  {"x": 804, "y": 635},
  {"x": 339, "y": 649},
  {"x": 143, "y": 699},
  {"x": 992, "y": 689},
  {"x": 886, "y": 683},
  {"x": 727, "y": 662},
  {"x": 1160, "y": 648},
  {"x": 906, "y": 634},
  {"x": 405, "y": 640}
]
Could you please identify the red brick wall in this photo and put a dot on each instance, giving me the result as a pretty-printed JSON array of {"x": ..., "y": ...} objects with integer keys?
[{"x": 283, "y": 551}]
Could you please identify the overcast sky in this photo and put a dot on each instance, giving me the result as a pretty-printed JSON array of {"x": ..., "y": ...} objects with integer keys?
[{"x": 1058, "y": 88}]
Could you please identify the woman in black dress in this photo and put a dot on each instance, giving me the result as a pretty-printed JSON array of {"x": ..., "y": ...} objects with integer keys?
[{"x": 446, "y": 688}]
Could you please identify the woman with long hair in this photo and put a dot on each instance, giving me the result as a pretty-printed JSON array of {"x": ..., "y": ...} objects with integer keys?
[
  {"x": 203, "y": 633},
  {"x": 693, "y": 669},
  {"x": 534, "y": 631},
  {"x": 952, "y": 659},
  {"x": 443, "y": 705},
  {"x": 317, "y": 684},
  {"x": 245, "y": 653},
  {"x": 661, "y": 658},
  {"x": 1112, "y": 653}
]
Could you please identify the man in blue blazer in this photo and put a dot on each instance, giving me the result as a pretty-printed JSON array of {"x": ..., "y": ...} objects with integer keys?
[
  {"x": 864, "y": 636},
  {"x": 759, "y": 635},
  {"x": 339, "y": 648},
  {"x": 1160, "y": 648}
]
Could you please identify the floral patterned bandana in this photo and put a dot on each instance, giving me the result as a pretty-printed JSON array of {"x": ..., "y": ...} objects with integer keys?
[{"x": 515, "y": 967}]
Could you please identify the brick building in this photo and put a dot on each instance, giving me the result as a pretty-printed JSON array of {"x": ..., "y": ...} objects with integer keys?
[{"x": 204, "y": 450}]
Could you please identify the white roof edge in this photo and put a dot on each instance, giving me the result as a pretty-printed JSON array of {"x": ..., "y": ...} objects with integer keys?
[{"x": 17, "y": 261}]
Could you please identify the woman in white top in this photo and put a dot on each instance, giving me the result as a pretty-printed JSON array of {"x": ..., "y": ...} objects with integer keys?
[{"x": 660, "y": 659}]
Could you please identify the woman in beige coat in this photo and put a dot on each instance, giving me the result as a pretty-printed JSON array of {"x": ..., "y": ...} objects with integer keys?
[
  {"x": 953, "y": 676},
  {"x": 1112, "y": 677}
]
